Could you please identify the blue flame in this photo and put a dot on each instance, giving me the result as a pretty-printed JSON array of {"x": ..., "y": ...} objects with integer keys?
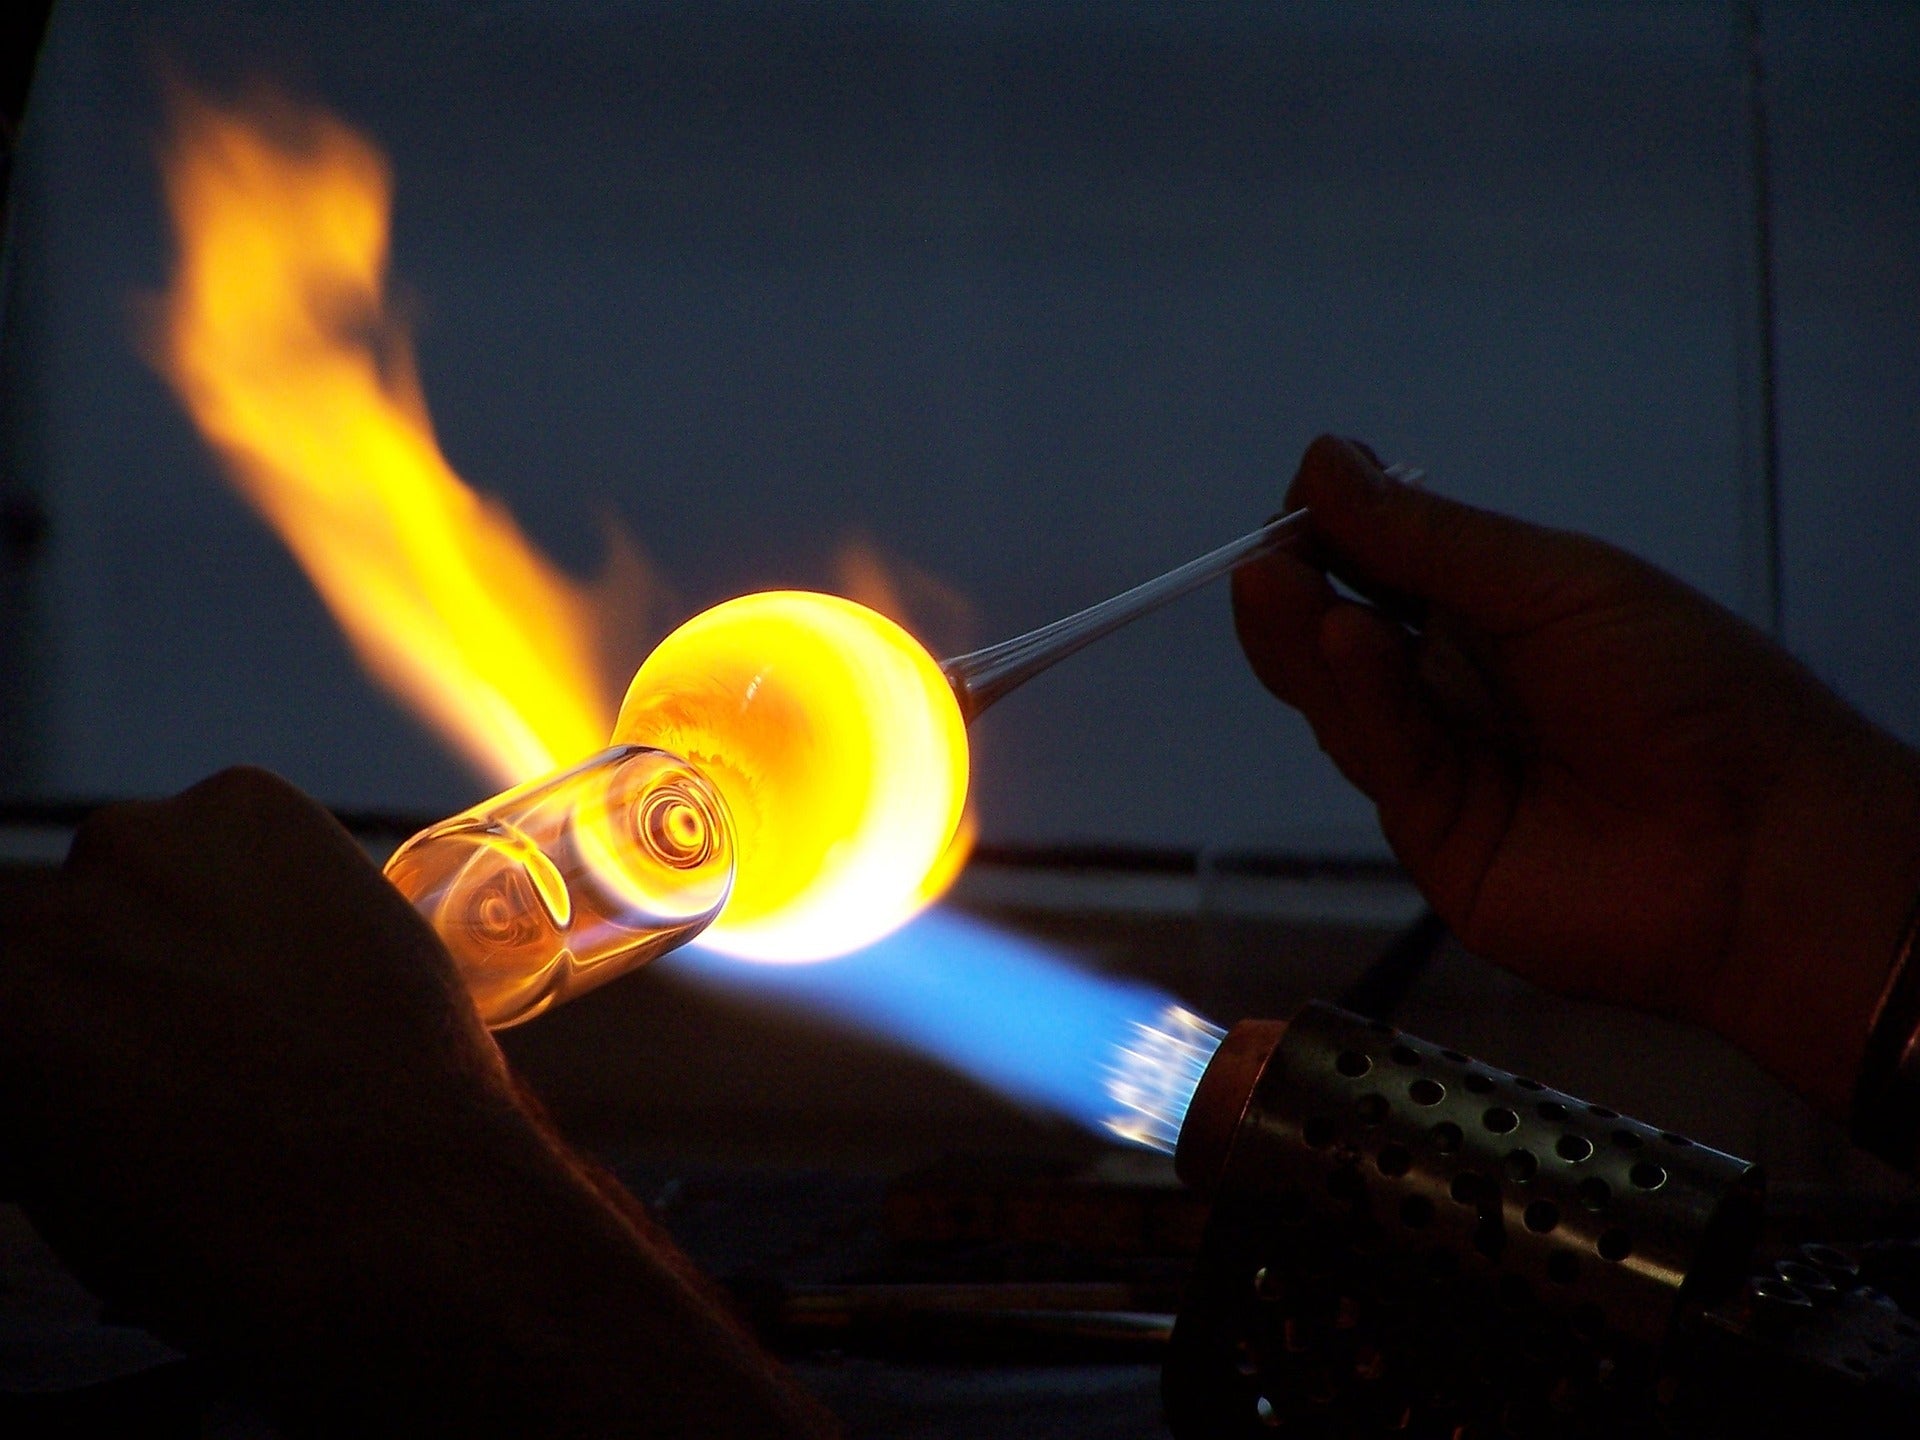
[{"x": 1118, "y": 1056}]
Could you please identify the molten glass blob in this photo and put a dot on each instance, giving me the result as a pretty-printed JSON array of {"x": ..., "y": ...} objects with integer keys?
[
  {"x": 562, "y": 884},
  {"x": 840, "y": 750}
]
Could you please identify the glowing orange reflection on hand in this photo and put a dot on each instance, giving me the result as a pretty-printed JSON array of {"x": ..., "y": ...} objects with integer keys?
[{"x": 841, "y": 754}]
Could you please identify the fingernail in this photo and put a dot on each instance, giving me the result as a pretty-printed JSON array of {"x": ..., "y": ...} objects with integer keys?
[
  {"x": 1404, "y": 473},
  {"x": 1367, "y": 464},
  {"x": 1365, "y": 449}
]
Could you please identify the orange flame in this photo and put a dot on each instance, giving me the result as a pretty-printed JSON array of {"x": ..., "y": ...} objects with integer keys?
[
  {"x": 828, "y": 729},
  {"x": 277, "y": 335}
]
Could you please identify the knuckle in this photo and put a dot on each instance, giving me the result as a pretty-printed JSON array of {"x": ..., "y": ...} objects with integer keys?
[
  {"x": 236, "y": 782},
  {"x": 1327, "y": 449},
  {"x": 132, "y": 833},
  {"x": 240, "y": 791},
  {"x": 1326, "y": 457},
  {"x": 109, "y": 834}
]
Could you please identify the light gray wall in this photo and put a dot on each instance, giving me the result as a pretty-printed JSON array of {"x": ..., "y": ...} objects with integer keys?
[{"x": 1041, "y": 298}]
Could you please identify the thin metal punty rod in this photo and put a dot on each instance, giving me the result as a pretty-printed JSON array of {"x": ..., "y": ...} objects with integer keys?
[{"x": 981, "y": 677}]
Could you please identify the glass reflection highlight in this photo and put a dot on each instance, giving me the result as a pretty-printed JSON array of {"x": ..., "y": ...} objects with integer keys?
[{"x": 559, "y": 885}]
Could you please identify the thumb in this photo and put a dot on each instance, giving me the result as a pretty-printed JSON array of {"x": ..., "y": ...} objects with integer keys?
[{"x": 1379, "y": 535}]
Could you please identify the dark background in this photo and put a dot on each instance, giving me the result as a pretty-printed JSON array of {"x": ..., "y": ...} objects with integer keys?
[{"x": 1037, "y": 298}]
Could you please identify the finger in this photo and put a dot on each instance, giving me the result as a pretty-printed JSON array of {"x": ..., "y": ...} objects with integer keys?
[
  {"x": 1499, "y": 573},
  {"x": 151, "y": 861},
  {"x": 1278, "y": 604},
  {"x": 1280, "y": 607},
  {"x": 1395, "y": 746},
  {"x": 239, "y": 822},
  {"x": 30, "y": 937},
  {"x": 25, "y": 889},
  {"x": 244, "y": 801},
  {"x": 1465, "y": 681},
  {"x": 104, "y": 840}
]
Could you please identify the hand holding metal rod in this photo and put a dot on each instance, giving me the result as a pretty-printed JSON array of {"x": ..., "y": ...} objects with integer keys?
[{"x": 983, "y": 676}]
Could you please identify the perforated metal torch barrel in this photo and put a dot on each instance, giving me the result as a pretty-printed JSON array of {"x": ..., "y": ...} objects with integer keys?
[{"x": 1351, "y": 1161}]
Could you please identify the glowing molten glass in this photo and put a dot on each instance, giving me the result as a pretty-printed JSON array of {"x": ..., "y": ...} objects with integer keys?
[{"x": 841, "y": 753}]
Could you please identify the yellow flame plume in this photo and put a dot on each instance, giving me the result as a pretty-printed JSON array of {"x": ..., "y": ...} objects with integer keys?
[
  {"x": 276, "y": 333},
  {"x": 847, "y": 772}
]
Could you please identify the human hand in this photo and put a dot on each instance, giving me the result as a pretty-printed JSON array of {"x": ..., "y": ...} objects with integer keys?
[
  {"x": 1596, "y": 775},
  {"x": 212, "y": 1006},
  {"x": 249, "y": 1100}
]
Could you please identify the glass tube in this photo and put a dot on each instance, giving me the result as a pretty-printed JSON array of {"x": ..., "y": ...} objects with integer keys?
[{"x": 564, "y": 883}]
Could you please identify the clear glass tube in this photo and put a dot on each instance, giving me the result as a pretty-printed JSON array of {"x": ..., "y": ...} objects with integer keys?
[
  {"x": 561, "y": 884},
  {"x": 983, "y": 676}
]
